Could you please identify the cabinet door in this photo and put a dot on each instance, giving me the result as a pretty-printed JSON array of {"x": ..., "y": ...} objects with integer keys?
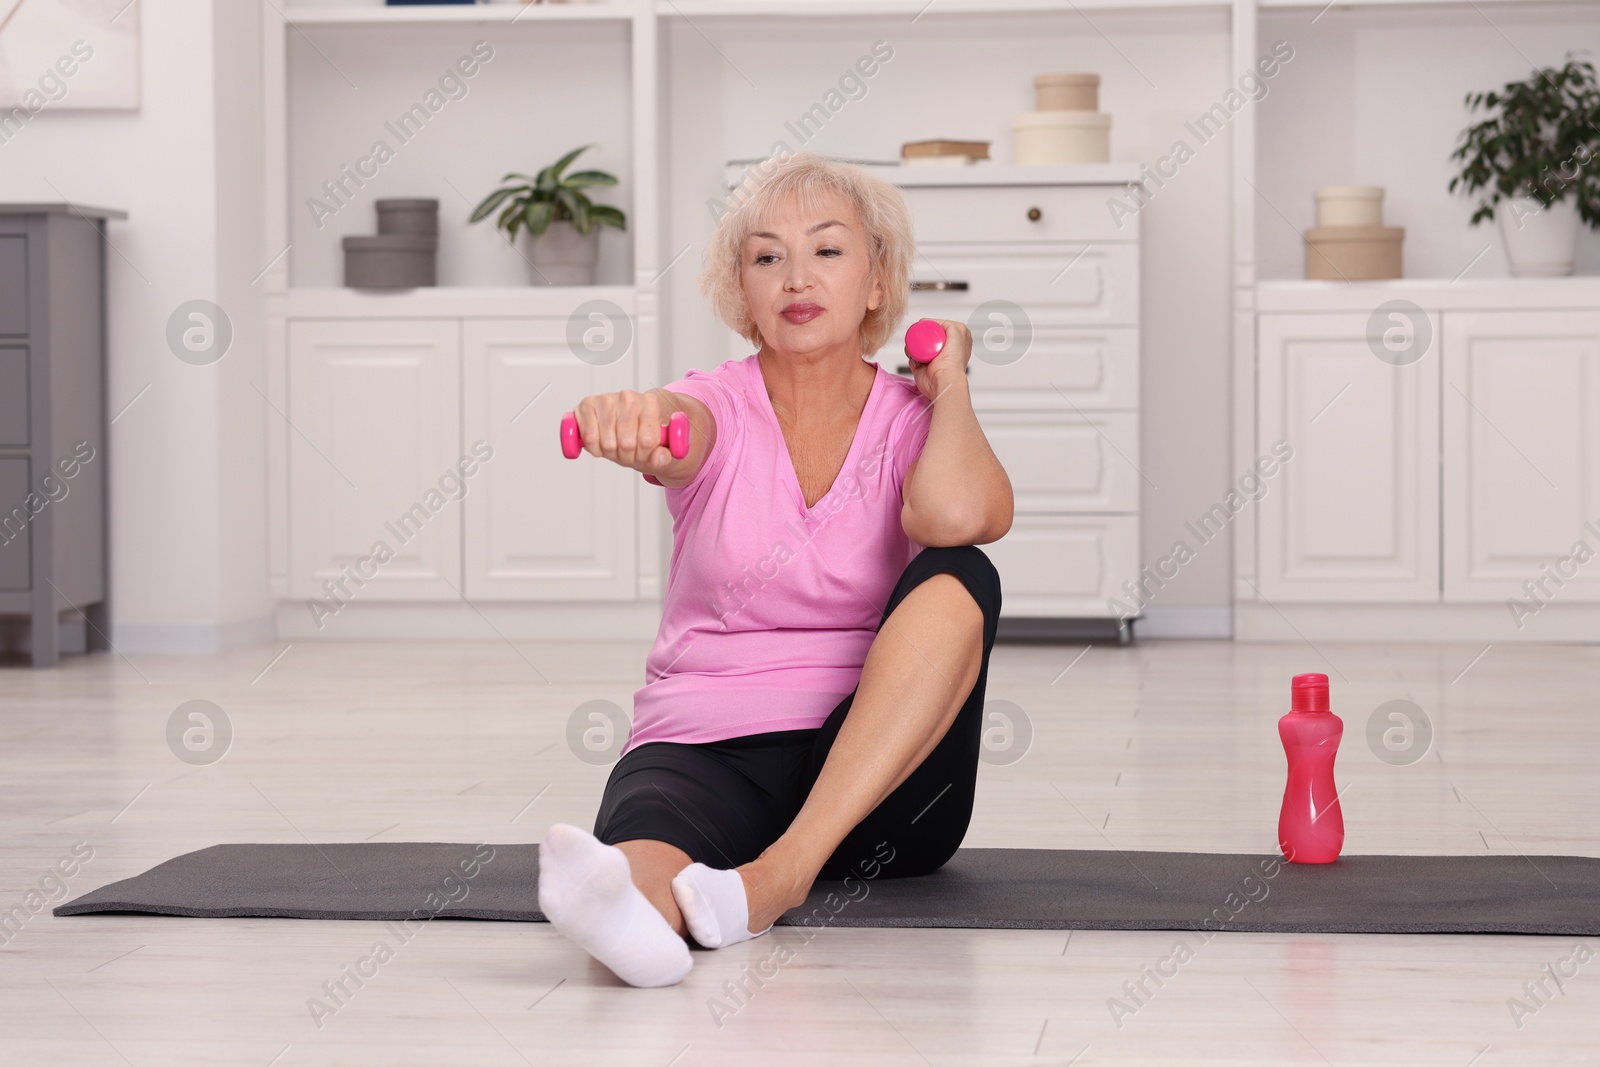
[
  {"x": 1522, "y": 455},
  {"x": 1354, "y": 514},
  {"x": 374, "y": 443},
  {"x": 539, "y": 526}
]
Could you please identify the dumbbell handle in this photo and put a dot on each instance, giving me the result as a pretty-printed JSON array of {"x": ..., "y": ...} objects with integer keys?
[
  {"x": 675, "y": 435},
  {"x": 924, "y": 340}
]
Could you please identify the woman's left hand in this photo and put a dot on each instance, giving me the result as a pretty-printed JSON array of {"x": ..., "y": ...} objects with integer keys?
[{"x": 949, "y": 365}]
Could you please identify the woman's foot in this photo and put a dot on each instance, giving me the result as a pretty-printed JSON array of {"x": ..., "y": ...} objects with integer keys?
[
  {"x": 587, "y": 893},
  {"x": 725, "y": 907}
]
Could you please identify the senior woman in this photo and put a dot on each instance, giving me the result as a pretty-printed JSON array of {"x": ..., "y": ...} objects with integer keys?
[{"x": 813, "y": 701}]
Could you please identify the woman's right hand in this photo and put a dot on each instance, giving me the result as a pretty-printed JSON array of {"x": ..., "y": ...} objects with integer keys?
[{"x": 625, "y": 427}]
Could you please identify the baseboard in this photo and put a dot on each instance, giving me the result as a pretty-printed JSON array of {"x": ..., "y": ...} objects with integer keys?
[
  {"x": 1190, "y": 623},
  {"x": 459, "y": 621},
  {"x": 1416, "y": 623},
  {"x": 190, "y": 638}
]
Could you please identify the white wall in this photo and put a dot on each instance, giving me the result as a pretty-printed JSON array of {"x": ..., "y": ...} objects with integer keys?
[
  {"x": 185, "y": 458},
  {"x": 964, "y": 77}
]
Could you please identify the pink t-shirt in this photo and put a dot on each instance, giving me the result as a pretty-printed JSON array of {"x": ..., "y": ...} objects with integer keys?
[{"x": 770, "y": 606}]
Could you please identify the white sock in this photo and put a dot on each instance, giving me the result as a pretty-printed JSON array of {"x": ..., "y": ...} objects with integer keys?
[
  {"x": 713, "y": 905},
  {"x": 586, "y": 891}
]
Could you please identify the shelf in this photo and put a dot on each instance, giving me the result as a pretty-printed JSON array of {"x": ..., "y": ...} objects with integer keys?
[
  {"x": 790, "y": 9},
  {"x": 992, "y": 173},
  {"x": 598, "y": 10},
  {"x": 988, "y": 173},
  {"x": 445, "y": 302},
  {"x": 1441, "y": 294}
]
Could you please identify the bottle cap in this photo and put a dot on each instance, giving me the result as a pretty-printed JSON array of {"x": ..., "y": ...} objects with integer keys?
[{"x": 1309, "y": 692}]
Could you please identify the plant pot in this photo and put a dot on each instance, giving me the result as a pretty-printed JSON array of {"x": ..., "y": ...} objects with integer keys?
[
  {"x": 563, "y": 256},
  {"x": 1540, "y": 241}
]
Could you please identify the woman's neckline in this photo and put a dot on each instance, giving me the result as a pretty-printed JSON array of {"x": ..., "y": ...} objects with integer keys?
[{"x": 795, "y": 490}]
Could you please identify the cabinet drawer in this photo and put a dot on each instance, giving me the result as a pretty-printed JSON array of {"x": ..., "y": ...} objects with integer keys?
[
  {"x": 1060, "y": 284},
  {"x": 13, "y": 397},
  {"x": 1067, "y": 462},
  {"x": 1001, "y": 213},
  {"x": 1061, "y": 369},
  {"x": 15, "y": 528},
  {"x": 1066, "y": 565},
  {"x": 13, "y": 285}
]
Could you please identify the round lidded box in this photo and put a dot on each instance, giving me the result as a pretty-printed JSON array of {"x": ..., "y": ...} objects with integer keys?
[
  {"x": 1354, "y": 253},
  {"x": 1066, "y": 92},
  {"x": 390, "y": 261},
  {"x": 1350, "y": 205},
  {"x": 1056, "y": 137},
  {"x": 418, "y": 216}
]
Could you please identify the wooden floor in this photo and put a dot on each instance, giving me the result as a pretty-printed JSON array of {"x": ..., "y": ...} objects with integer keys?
[{"x": 1160, "y": 746}]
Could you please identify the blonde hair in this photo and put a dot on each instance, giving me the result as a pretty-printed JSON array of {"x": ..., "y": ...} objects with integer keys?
[{"x": 808, "y": 176}]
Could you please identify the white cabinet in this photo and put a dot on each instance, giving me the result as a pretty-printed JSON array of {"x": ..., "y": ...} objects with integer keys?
[
  {"x": 1032, "y": 261},
  {"x": 374, "y": 417},
  {"x": 539, "y": 526},
  {"x": 1456, "y": 496},
  {"x": 437, "y": 437},
  {"x": 1522, "y": 441},
  {"x": 1354, "y": 514},
  {"x": 1050, "y": 290}
]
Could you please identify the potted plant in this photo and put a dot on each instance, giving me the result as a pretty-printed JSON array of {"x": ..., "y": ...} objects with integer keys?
[
  {"x": 561, "y": 225},
  {"x": 1535, "y": 154}
]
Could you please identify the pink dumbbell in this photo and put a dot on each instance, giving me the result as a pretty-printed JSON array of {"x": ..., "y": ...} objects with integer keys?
[
  {"x": 675, "y": 435},
  {"x": 924, "y": 340}
]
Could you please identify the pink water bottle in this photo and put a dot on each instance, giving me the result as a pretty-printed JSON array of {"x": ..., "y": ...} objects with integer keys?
[{"x": 1310, "y": 825}]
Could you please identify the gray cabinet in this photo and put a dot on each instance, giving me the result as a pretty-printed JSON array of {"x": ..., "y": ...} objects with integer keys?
[{"x": 53, "y": 426}]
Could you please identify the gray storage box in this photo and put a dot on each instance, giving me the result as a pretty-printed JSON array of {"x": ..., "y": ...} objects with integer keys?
[
  {"x": 390, "y": 261},
  {"x": 409, "y": 216}
]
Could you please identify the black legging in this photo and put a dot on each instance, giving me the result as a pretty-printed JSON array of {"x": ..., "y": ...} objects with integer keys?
[{"x": 723, "y": 802}]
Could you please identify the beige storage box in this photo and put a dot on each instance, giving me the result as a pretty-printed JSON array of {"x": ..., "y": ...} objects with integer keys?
[
  {"x": 1350, "y": 205},
  {"x": 1058, "y": 137},
  {"x": 1066, "y": 92},
  {"x": 1353, "y": 253}
]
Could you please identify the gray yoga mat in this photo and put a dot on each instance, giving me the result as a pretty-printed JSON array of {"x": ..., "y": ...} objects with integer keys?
[{"x": 996, "y": 888}]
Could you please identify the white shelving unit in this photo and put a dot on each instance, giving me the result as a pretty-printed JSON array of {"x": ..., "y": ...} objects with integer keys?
[
  {"x": 644, "y": 53},
  {"x": 1415, "y": 507}
]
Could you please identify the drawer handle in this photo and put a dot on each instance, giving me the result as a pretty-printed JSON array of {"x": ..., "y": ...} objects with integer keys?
[
  {"x": 924, "y": 287},
  {"x": 1034, "y": 214}
]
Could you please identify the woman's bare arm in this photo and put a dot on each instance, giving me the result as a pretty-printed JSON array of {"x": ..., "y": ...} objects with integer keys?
[{"x": 956, "y": 492}]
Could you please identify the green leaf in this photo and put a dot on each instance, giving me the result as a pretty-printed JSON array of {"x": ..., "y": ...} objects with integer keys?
[
  {"x": 610, "y": 216},
  {"x": 492, "y": 201},
  {"x": 577, "y": 207},
  {"x": 537, "y": 217},
  {"x": 561, "y": 164},
  {"x": 588, "y": 177}
]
